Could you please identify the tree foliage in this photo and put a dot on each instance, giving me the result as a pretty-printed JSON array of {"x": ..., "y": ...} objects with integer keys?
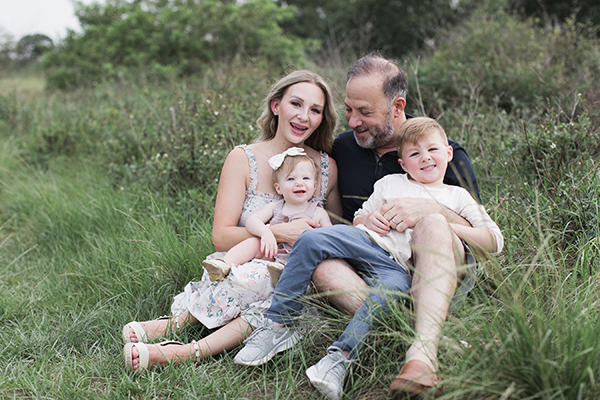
[
  {"x": 349, "y": 29},
  {"x": 30, "y": 48},
  {"x": 583, "y": 10},
  {"x": 170, "y": 37}
]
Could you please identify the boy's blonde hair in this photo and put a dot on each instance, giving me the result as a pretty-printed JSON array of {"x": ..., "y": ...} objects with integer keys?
[
  {"x": 415, "y": 129},
  {"x": 290, "y": 162}
]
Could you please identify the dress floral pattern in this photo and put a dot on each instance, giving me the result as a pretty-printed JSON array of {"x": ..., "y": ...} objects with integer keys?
[{"x": 247, "y": 290}]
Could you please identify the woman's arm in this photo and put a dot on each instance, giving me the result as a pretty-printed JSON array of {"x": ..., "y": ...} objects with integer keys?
[
  {"x": 230, "y": 201},
  {"x": 334, "y": 201}
]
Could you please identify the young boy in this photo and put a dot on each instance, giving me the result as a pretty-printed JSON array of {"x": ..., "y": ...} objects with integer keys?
[{"x": 382, "y": 255}]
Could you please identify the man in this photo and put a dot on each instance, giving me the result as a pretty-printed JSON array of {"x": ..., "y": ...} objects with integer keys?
[{"x": 375, "y": 101}]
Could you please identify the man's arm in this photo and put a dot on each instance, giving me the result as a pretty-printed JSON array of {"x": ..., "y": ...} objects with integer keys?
[{"x": 406, "y": 212}]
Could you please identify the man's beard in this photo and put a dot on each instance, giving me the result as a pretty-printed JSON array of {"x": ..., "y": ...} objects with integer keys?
[{"x": 379, "y": 136}]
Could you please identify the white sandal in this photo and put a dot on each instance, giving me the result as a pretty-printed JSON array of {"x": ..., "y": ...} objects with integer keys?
[
  {"x": 140, "y": 333},
  {"x": 144, "y": 354}
]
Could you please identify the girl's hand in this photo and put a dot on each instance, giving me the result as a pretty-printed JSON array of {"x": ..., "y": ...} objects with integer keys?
[{"x": 268, "y": 245}]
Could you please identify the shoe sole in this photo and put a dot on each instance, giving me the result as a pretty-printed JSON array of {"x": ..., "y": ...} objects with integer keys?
[
  {"x": 214, "y": 273},
  {"x": 143, "y": 354},
  {"x": 283, "y": 346},
  {"x": 322, "y": 386}
]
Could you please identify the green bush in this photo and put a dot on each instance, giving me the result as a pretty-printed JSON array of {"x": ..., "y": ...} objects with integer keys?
[
  {"x": 165, "y": 38},
  {"x": 513, "y": 64}
]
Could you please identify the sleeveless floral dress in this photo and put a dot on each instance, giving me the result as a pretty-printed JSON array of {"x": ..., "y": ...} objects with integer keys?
[{"x": 247, "y": 290}]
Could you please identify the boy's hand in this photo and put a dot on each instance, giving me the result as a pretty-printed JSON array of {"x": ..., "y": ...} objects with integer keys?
[
  {"x": 268, "y": 245},
  {"x": 377, "y": 223}
]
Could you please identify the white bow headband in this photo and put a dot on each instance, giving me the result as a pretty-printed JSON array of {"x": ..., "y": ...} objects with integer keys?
[{"x": 276, "y": 161}]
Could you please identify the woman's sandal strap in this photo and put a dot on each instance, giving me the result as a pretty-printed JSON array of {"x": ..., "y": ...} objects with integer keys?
[{"x": 196, "y": 349}]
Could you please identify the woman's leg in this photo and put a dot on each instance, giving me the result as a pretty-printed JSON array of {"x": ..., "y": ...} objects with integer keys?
[{"x": 225, "y": 338}]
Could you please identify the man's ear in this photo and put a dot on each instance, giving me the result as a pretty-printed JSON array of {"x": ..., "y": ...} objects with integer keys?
[
  {"x": 398, "y": 106},
  {"x": 450, "y": 153},
  {"x": 277, "y": 188}
]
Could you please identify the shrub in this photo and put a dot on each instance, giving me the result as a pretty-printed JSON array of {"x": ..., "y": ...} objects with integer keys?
[
  {"x": 167, "y": 37},
  {"x": 513, "y": 64}
]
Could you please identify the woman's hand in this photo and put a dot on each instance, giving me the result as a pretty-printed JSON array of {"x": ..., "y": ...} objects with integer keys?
[{"x": 288, "y": 232}]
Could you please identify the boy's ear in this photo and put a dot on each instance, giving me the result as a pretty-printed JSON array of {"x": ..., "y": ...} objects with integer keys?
[
  {"x": 450, "y": 153},
  {"x": 401, "y": 163},
  {"x": 277, "y": 188}
]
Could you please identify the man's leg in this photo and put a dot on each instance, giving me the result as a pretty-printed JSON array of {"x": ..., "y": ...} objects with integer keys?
[
  {"x": 437, "y": 252},
  {"x": 341, "y": 286}
]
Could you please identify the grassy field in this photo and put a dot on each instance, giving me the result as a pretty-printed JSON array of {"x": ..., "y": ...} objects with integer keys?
[{"x": 106, "y": 197}]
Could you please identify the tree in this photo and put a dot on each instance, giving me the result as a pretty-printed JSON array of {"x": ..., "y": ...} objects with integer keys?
[
  {"x": 31, "y": 48},
  {"x": 172, "y": 37},
  {"x": 349, "y": 29},
  {"x": 585, "y": 11}
]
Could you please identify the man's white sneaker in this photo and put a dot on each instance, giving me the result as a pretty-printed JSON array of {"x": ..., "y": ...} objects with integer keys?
[
  {"x": 266, "y": 341},
  {"x": 329, "y": 374}
]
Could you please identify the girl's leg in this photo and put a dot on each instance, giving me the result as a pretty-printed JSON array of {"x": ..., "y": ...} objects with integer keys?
[
  {"x": 243, "y": 252},
  {"x": 226, "y": 338},
  {"x": 159, "y": 328}
]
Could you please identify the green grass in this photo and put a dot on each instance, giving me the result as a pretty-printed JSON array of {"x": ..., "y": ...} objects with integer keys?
[{"x": 98, "y": 228}]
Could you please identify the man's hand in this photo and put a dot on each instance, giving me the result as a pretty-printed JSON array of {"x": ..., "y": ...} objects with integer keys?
[
  {"x": 376, "y": 222},
  {"x": 288, "y": 232},
  {"x": 405, "y": 212}
]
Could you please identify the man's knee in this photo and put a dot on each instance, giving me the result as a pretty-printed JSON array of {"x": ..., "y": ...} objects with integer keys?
[{"x": 432, "y": 224}]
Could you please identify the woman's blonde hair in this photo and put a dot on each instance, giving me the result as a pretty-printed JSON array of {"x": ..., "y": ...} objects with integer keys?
[{"x": 322, "y": 138}]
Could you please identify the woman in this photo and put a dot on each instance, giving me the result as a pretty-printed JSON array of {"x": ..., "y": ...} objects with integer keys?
[{"x": 298, "y": 112}]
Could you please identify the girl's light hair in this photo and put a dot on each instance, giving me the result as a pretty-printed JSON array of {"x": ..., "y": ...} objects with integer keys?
[
  {"x": 290, "y": 162},
  {"x": 322, "y": 138},
  {"x": 415, "y": 129}
]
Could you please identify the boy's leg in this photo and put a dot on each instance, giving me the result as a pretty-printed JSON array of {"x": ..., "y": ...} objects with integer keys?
[
  {"x": 387, "y": 279},
  {"x": 311, "y": 248},
  {"x": 436, "y": 254}
]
